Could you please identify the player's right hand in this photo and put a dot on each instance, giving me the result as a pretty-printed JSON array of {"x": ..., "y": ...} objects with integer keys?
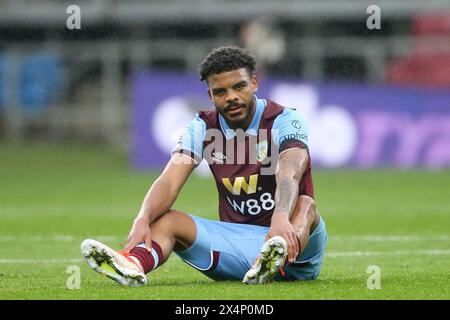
[
  {"x": 140, "y": 232},
  {"x": 281, "y": 226}
]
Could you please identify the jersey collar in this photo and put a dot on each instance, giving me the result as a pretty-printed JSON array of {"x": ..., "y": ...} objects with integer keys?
[{"x": 254, "y": 125}]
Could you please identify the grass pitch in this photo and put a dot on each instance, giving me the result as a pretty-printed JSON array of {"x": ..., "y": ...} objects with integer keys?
[{"x": 52, "y": 197}]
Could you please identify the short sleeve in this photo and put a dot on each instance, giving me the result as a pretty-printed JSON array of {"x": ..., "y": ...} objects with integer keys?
[
  {"x": 290, "y": 130},
  {"x": 191, "y": 142}
]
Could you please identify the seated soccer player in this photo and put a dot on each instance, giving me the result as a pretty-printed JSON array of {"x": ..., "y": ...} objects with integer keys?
[{"x": 257, "y": 150}]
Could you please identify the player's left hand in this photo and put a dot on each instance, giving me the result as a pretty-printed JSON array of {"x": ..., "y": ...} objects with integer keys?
[{"x": 281, "y": 226}]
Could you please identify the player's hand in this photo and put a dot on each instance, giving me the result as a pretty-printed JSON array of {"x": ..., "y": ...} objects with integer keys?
[
  {"x": 140, "y": 232},
  {"x": 281, "y": 226}
]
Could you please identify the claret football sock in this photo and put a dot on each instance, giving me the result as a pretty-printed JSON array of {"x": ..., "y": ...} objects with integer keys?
[{"x": 148, "y": 260}]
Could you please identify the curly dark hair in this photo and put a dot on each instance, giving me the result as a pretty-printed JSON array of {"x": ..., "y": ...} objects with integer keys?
[{"x": 224, "y": 59}]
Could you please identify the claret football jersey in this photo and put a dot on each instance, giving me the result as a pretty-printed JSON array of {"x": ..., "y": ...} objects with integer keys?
[{"x": 243, "y": 162}]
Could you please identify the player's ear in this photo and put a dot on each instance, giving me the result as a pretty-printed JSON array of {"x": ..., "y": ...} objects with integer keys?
[
  {"x": 210, "y": 94},
  {"x": 254, "y": 83}
]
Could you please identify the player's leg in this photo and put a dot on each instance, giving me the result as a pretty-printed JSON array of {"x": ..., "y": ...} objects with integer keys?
[
  {"x": 272, "y": 256},
  {"x": 305, "y": 219},
  {"x": 312, "y": 237},
  {"x": 223, "y": 250},
  {"x": 173, "y": 230}
]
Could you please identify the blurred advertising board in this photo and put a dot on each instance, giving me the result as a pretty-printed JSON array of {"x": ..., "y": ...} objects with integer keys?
[{"x": 351, "y": 125}]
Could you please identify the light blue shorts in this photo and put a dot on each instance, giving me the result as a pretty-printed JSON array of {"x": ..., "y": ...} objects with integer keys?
[{"x": 226, "y": 251}]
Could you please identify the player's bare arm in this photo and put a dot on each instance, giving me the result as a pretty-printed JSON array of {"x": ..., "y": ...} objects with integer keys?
[
  {"x": 291, "y": 165},
  {"x": 160, "y": 198}
]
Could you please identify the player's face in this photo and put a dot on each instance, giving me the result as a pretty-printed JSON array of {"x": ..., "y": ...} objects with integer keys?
[{"x": 232, "y": 93}]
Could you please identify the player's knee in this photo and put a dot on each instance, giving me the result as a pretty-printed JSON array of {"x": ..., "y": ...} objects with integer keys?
[
  {"x": 306, "y": 199},
  {"x": 308, "y": 202},
  {"x": 168, "y": 219},
  {"x": 173, "y": 214}
]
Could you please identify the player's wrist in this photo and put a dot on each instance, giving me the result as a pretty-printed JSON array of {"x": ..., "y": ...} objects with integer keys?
[
  {"x": 142, "y": 218},
  {"x": 280, "y": 216}
]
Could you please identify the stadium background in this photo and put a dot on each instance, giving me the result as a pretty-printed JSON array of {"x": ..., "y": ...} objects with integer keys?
[{"x": 88, "y": 117}]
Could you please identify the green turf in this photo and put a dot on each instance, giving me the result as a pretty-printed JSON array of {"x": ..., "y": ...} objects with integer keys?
[{"x": 53, "y": 196}]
